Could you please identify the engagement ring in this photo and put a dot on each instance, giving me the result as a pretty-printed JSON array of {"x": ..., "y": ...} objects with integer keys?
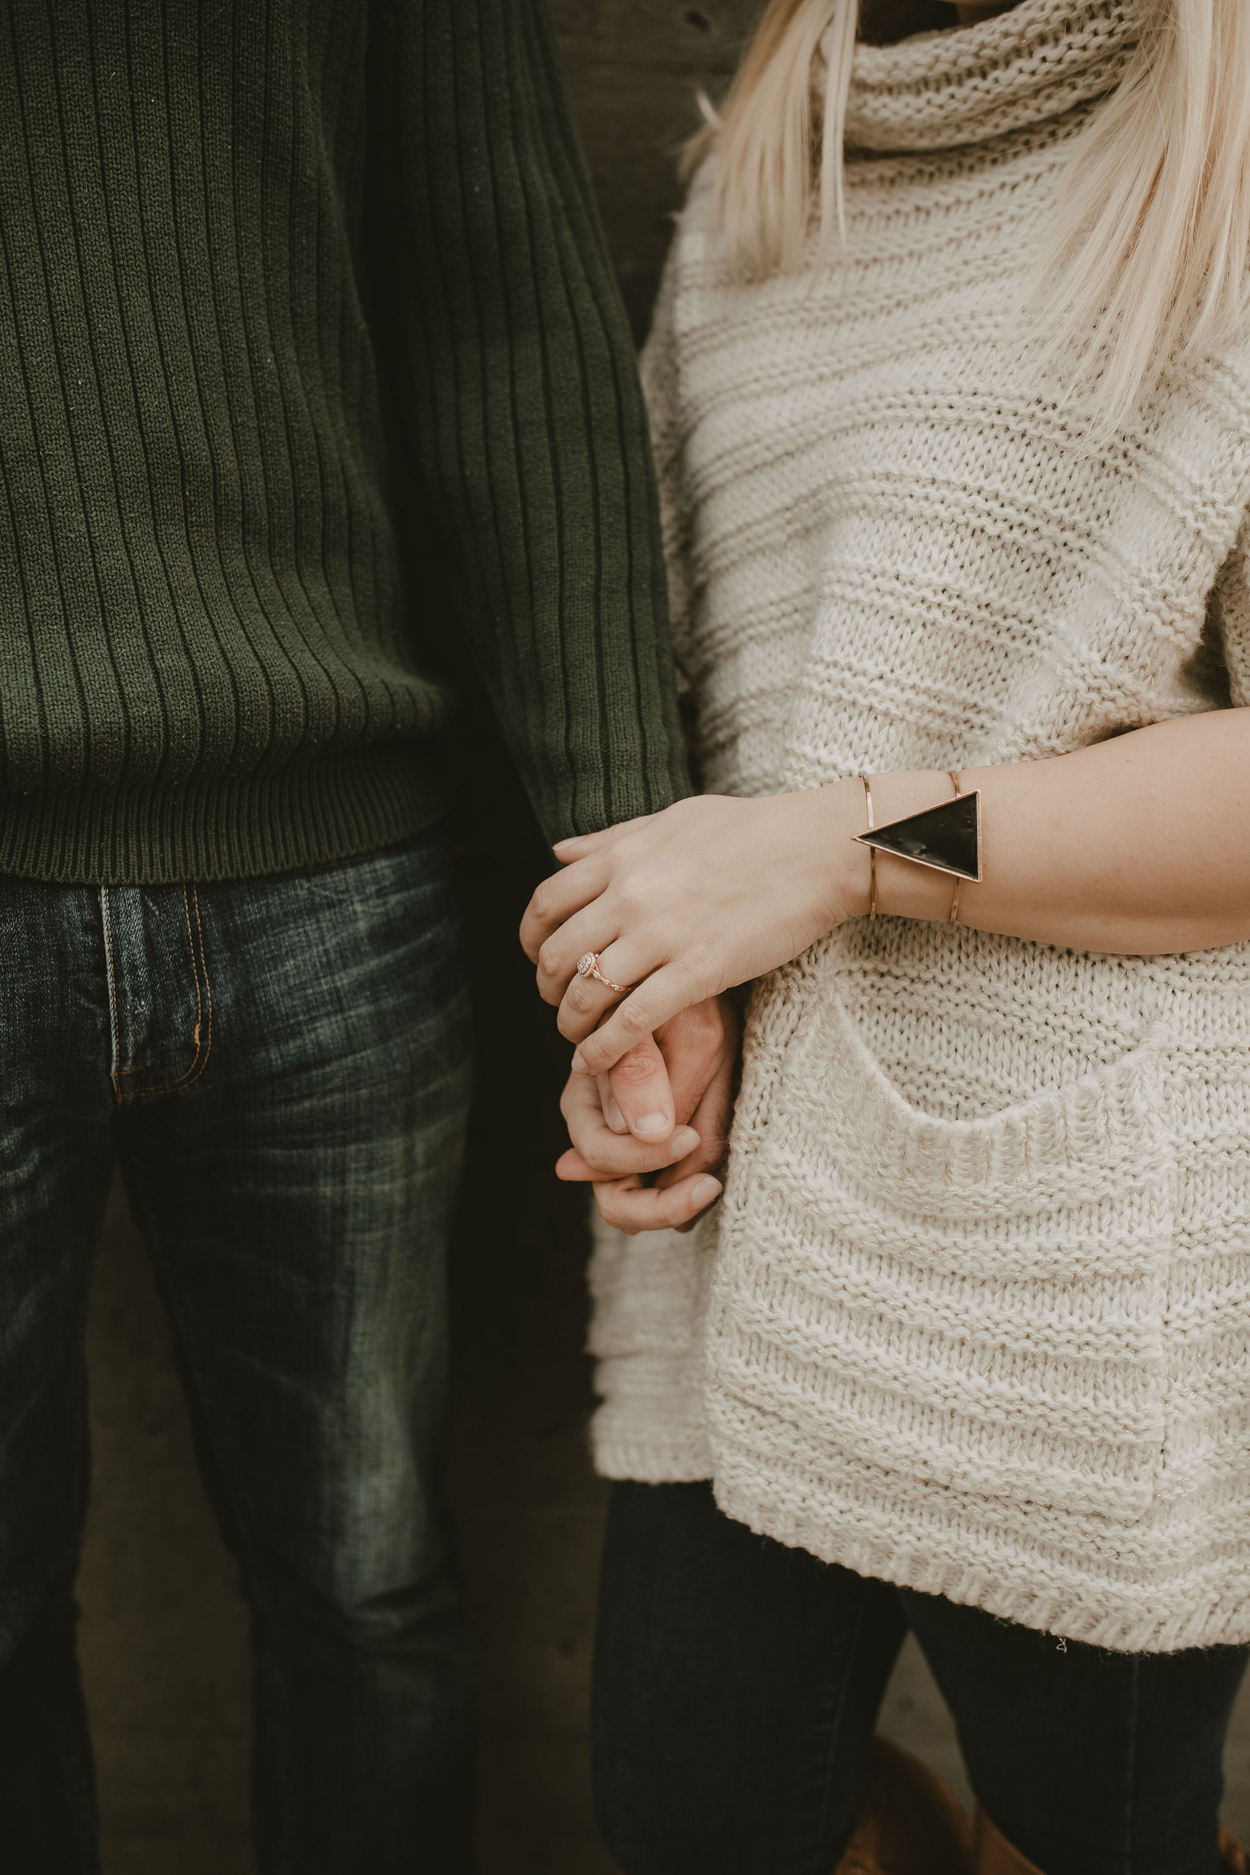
[{"x": 588, "y": 966}]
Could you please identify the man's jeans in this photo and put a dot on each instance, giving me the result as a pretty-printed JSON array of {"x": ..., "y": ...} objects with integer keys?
[{"x": 281, "y": 1066}]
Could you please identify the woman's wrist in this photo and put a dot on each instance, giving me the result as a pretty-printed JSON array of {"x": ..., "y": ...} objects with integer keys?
[
  {"x": 840, "y": 870},
  {"x": 855, "y": 861},
  {"x": 904, "y": 889}
]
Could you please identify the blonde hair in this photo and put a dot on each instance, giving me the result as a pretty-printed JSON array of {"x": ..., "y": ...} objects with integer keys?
[{"x": 1147, "y": 258}]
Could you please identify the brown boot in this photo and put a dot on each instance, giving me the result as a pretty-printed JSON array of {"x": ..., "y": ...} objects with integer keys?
[
  {"x": 1233, "y": 1857},
  {"x": 909, "y": 1821},
  {"x": 995, "y": 1855}
]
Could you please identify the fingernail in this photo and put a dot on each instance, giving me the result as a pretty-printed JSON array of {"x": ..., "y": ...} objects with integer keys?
[
  {"x": 684, "y": 1140},
  {"x": 579, "y": 1063},
  {"x": 652, "y": 1124},
  {"x": 615, "y": 1118},
  {"x": 706, "y": 1189}
]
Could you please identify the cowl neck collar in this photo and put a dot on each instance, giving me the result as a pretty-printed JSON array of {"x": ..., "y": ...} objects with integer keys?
[{"x": 939, "y": 90}]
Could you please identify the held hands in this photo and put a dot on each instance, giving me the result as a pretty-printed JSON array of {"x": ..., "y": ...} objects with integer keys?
[
  {"x": 664, "y": 1110},
  {"x": 684, "y": 904}
]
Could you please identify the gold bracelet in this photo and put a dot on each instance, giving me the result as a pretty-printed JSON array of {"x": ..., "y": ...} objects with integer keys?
[
  {"x": 872, "y": 855},
  {"x": 946, "y": 838}
]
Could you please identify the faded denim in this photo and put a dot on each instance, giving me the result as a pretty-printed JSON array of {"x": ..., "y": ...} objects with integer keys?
[{"x": 282, "y": 1067}]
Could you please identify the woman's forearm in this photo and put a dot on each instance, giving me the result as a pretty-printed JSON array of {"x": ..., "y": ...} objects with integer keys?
[{"x": 1138, "y": 845}]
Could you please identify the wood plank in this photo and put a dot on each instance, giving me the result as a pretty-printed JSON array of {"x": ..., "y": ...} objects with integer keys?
[{"x": 635, "y": 67}]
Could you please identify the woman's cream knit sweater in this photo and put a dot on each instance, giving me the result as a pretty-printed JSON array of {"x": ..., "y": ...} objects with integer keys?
[{"x": 974, "y": 1314}]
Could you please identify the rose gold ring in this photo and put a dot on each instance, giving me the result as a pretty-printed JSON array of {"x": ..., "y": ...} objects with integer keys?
[{"x": 588, "y": 966}]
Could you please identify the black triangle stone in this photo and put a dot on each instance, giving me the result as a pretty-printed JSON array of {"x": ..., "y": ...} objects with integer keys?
[{"x": 946, "y": 837}]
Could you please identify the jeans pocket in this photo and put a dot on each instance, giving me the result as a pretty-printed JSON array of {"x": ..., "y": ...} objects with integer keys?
[{"x": 976, "y": 1302}]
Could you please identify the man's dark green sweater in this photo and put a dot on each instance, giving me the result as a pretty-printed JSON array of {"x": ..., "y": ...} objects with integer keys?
[{"x": 312, "y": 369}]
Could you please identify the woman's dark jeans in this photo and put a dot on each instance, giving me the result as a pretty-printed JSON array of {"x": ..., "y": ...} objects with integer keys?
[
  {"x": 737, "y": 1683},
  {"x": 282, "y": 1067}
]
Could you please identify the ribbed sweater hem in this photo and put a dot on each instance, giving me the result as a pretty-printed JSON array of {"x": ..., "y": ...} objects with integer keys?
[
  {"x": 649, "y": 1461},
  {"x": 1030, "y": 1583},
  {"x": 660, "y": 1455},
  {"x": 234, "y": 828}
]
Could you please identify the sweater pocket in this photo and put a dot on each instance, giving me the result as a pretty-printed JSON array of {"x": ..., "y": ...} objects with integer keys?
[{"x": 976, "y": 1304}]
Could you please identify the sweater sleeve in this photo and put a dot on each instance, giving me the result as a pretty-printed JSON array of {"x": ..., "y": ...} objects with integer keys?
[
  {"x": 661, "y": 390},
  {"x": 523, "y": 412}
]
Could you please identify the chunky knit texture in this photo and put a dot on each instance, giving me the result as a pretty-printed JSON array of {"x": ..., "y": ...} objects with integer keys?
[
  {"x": 974, "y": 1315},
  {"x": 314, "y": 372}
]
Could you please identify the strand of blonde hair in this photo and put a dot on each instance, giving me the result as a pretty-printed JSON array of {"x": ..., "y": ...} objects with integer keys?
[{"x": 1147, "y": 258}]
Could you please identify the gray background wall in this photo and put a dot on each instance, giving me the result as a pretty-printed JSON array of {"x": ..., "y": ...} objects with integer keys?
[{"x": 164, "y": 1633}]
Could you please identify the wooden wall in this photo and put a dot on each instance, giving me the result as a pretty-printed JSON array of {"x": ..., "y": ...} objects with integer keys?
[{"x": 635, "y": 67}]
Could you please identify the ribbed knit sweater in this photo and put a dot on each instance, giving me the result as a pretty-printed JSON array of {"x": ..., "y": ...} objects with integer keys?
[
  {"x": 974, "y": 1315},
  {"x": 313, "y": 373}
]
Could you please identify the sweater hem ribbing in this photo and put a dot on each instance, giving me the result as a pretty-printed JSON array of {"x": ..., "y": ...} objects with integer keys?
[
  {"x": 234, "y": 828},
  {"x": 1146, "y": 1617},
  {"x": 652, "y": 1457},
  {"x": 794, "y": 1509}
]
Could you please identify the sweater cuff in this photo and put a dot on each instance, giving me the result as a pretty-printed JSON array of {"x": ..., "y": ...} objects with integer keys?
[{"x": 589, "y": 803}]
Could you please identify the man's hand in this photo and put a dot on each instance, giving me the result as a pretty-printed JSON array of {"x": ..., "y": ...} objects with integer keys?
[{"x": 664, "y": 1109}]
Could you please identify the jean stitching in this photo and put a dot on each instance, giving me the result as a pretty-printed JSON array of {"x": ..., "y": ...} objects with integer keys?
[
  {"x": 208, "y": 986},
  {"x": 115, "y": 1072},
  {"x": 818, "y": 1864},
  {"x": 199, "y": 1061}
]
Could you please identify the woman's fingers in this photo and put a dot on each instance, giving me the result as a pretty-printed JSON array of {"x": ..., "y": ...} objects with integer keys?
[
  {"x": 583, "y": 1000},
  {"x": 592, "y": 930},
  {"x": 556, "y": 900},
  {"x": 578, "y": 845},
  {"x": 660, "y": 997},
  {"x": 586, "y": 1000},
  {"x": 632, "y": 1206},
  {"x": 587, "y": 870}
]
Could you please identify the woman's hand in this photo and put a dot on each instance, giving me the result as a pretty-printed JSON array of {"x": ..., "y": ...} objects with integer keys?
[{"x": 687, "y": 903}]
